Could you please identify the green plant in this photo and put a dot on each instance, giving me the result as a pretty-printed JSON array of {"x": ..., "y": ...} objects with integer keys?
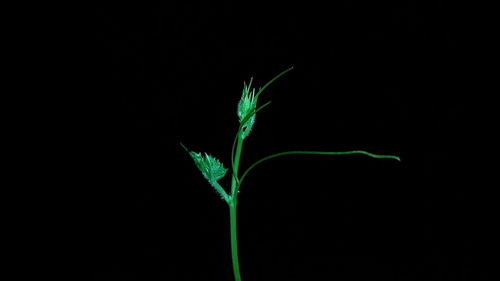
[{"x": 213, "y": 170}]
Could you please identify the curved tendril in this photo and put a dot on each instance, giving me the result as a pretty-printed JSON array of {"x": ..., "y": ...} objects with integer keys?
[
  {"x": 272, "y": 80},
  {"x": 313, "y": 153}
]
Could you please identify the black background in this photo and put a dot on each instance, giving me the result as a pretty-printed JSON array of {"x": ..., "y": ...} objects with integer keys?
[{"x": 386, "y": 78}]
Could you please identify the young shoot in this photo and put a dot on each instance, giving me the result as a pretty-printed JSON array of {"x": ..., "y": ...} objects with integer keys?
[{"x": 213, "y": 170}]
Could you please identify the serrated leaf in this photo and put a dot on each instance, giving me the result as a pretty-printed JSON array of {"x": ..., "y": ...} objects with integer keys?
[
  {"x": 247, "y": 107},
  {"x": 211, "y": 168}
]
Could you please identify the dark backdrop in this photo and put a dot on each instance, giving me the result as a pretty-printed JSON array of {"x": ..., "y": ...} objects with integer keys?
[{"x": 386, "y": 78}]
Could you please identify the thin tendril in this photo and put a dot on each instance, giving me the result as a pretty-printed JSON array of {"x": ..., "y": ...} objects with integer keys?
[
  {"x": 272, "y": 80},
  {"x": 315, "y": 153}
]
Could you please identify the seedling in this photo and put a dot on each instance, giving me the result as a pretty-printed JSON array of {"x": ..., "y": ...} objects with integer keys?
[{"x": 213, "y": 170}]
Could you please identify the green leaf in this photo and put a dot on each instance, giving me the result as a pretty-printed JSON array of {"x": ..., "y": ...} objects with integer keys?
[
  {"x": 211, "y": 168},
  {"x": 246, "y": 109}
]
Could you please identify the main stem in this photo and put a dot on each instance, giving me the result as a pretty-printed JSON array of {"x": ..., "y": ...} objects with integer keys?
[
  {"x": 232, "y": 210},
  {"x": 234, "y": 241}
]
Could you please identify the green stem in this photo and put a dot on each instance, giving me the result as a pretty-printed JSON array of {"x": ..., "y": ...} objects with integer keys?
[
  {"x": 233, "y": 202},
  {"x": 236, "y": 164},
  {"x": 234, "y": 240}
]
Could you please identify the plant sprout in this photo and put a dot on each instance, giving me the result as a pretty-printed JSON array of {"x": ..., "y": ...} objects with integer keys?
[{"x": 213, "y": 170}]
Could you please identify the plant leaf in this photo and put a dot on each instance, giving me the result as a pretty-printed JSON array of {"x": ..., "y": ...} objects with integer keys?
[
  {"x": 211, "y": 168},
  {"x": 246, "y": 108}
]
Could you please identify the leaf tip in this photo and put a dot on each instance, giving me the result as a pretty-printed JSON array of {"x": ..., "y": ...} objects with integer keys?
[{"x": 183, "y": 146}]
